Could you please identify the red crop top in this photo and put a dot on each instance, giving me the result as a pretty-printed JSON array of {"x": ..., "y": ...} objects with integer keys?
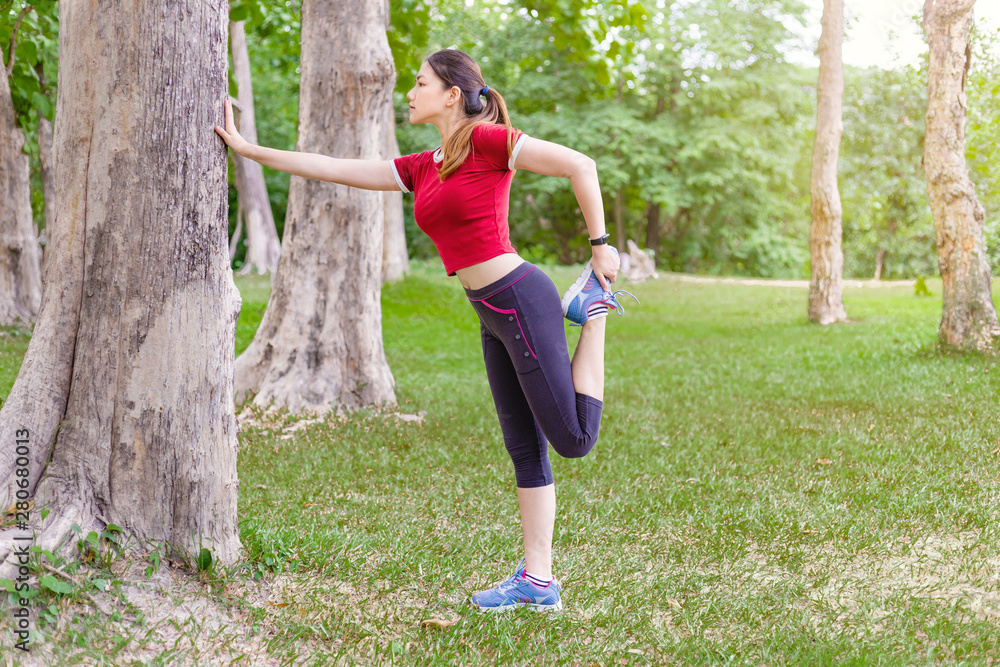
[{"x": 466, "y": 215}]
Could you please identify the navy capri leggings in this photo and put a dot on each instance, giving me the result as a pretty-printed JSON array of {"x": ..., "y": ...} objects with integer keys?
[{"x": 528, "y": 367}]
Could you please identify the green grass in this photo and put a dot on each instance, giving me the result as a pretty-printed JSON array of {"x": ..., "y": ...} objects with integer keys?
[{"x": 765, "y": 491}]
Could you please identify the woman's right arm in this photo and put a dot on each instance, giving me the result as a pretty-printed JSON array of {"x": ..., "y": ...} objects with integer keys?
[{"x": 366, "y": 174}]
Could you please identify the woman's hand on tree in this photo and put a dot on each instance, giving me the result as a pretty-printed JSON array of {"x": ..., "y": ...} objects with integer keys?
[
  {"x": 605, "y": 264},
  {"x": 231, "y": 135}
]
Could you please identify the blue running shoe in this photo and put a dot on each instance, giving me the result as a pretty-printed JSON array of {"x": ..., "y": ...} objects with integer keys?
[
  {"x": 587, "y": 300},
  {"x": 517, "y": 591}
]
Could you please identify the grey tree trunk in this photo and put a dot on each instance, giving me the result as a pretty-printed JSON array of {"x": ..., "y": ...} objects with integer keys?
[
  {"x": 826, "y": 282},
  {"x": 969, "y": 318},
  {"x": 48, "y": 177},
  {"x": 395, "y": 260},
  {"x": 254, "y": 212},
  {"x": 319, "y": 344},
  {"x": 20, "y": 272},
  {"x": 129, "y": 372}
]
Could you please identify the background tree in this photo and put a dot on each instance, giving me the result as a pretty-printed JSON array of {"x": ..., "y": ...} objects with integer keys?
[
  {"x": 711, "y": 144},
  {"x": 826, "y": 283},
  {"x": 254, "y": 209},
  {"x": 395, "y": 261},
  {"x": 319, "y": 344},
  {"x": 32, "y": 57},
  {"x": 982, "y": 150},
  {"x": 133, "y": 350},
  {"x": 407, "y": 32},
  {"x": 969, "y": 319},
  {"x": 20, "y": 272},
  {"x": 888, "y": 231},
  {"x": 273, "y": 48},
  {"x": 20, "y": 275}
]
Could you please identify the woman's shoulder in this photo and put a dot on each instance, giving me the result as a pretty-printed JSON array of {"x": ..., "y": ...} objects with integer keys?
[
  {"x": 422, "y": 155},
  {"x": 492, "y": 131}
]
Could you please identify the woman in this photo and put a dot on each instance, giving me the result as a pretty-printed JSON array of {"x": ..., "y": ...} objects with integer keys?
[{"x": 461, "y": 199}]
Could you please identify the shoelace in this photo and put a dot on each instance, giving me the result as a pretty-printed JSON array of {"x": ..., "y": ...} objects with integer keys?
[
  {"x": 612, "y": 300},
  {"x": 506, "y": 586}
]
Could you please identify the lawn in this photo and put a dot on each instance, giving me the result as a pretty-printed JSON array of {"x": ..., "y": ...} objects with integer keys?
[{"x": 765, "y": 491}]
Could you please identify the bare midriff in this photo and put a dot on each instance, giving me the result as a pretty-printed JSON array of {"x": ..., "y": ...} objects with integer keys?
[{"x": 480, "y": 275}]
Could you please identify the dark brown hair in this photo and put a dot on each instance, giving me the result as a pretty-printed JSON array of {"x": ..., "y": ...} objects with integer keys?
[{"x": 456, "y": 68}]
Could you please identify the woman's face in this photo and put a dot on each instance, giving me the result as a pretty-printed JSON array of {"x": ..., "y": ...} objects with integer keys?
[{"x": 429, "y": 99}]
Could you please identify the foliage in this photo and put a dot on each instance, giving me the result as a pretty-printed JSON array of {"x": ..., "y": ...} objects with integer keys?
[
  {"x": 36, "y": 43},
  {"x": 408, "y": 32},
  {"x": 678, "y": 121},
  {"x": 983, "y": 131},
  {"x": 33, "y": 77},
  {"x": 272, "y": 29},
  {"x": 882, "y": 186},
  {"x": 690, "y": 108}
]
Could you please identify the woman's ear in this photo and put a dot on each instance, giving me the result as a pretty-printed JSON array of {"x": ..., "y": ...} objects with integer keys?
[{"x": 454, "y": 96}]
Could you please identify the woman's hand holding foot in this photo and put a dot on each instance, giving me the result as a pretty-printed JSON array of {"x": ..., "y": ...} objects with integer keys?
[{"x": 605, "y": 264}]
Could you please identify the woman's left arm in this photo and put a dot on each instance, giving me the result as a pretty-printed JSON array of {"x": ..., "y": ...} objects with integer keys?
[{"x": 545, "y": 157}]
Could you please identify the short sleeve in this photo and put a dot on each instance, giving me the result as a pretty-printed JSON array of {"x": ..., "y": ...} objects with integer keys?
[
  {"x": 403, "y": 171},
  {"x": 490, "y": 142}
]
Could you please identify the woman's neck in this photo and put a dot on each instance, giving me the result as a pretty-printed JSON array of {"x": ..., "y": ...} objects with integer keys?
[{"x": 446, "y": 127}]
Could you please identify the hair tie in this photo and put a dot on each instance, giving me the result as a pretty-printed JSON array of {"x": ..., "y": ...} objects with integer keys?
[{"x": 485, "y": 90}]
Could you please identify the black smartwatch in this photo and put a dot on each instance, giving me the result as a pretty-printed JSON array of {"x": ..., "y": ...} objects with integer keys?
[{"x": 600, "y": 241}]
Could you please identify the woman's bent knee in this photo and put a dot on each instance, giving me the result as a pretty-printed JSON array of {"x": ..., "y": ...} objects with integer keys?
[{"x": 575, "y": 448}]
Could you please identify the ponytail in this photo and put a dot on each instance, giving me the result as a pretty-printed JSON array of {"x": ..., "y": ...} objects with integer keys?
[{"x": 456, "y": 68}]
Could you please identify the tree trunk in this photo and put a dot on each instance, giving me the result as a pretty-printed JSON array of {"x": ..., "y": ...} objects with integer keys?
[
  {"x": 621, "y": 236},
  {"x": 319, "y": 344},
  {"x": 968, "y": 319},
  {"x": 48, "y": 177},
  {"x": 263, "y": 247},
  {"x": 826, "y": 284},
  {"x": 20, "y": 275},
  {"x": 129, "y": 371},
  {"x": 653, "y": 230},
  {"x": 395, "y": 261}
]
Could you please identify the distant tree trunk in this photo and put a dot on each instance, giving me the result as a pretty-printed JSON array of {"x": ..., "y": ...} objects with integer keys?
[
  {"x": 48, "y": 175},
  {"x": 20, "y": 274},
  {"x": 879, "y": 263},
  {"x": 263, "y": 247},
  {"x": 621, "y": 235},
  {"x": 319, "y": 344},
  {"x": 653, "y": 230},
  {"x": 826, "y": 284},
  {"x": 395, "y": 261},
  {"x": 969, "y": 318},
  {"x": 653, "y": 209},
  {"x": 129, "y": 371}
]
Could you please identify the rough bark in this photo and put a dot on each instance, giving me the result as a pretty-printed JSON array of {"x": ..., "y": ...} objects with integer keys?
[
  {"x": 969, "y": 318},
  {"x": 128, "y": 376},
  {"x": 263, "y": 246},
  {"x": 395, "y": 261},
  {"x": 47, "y": 166},
  {"x": 826, "y": 282},
  {"x": 20, "y": 273},
  {"x": 319, "y": 344}
]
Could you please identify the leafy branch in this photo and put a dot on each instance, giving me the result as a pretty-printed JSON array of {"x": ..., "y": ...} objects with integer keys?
[{"x": 13, "y": 38}]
